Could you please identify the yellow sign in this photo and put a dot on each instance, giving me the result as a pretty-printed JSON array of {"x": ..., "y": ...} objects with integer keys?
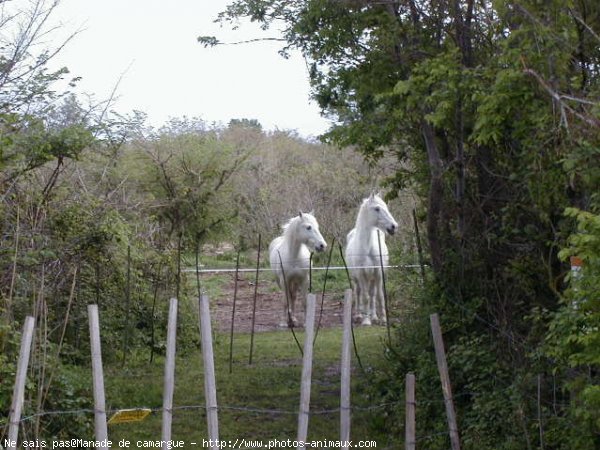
[{"x": 129, "y": 415}]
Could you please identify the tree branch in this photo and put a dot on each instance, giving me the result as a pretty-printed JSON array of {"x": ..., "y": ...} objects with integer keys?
[
  {"x": 559, "y": 98},
  {"x": 211, "y": 41}
]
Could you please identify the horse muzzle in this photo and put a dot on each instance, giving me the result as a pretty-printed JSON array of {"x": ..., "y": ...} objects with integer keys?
[
  {"x": 392, "y": 229},
  {"x": 320, "y": 247}
]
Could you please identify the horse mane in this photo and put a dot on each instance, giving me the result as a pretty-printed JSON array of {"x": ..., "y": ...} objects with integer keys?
[
  {"x": 289, "y": 225},
  {"x": 374, "y": 197},
  {"x": 362, "y": 209}
]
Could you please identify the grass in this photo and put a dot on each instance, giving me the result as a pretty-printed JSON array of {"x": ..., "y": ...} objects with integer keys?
[
  {"x": 258, "y": 401},
  {"x": 255, "y": 402}
]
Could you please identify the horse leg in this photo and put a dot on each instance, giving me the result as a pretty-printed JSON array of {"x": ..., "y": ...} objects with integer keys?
[
  {"x": 366, "y": 303},
  {"x": 288, "y": 305},
  {"x": 356, "y": 301},
  {"x": 303, "y": 292},
  {"x": 380, "y": 301},
  {"x": 285, "y": 302},
  {"x": 286, "y": 309},
  {"x": 375, "y": 297},
  {"x": 293, "y": 322}
]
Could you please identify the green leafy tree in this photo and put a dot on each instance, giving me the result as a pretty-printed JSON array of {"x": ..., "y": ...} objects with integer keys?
[
  {"x": 574, "y": 339},
  {"x": 487, "y": 106},
  {"x": 190, "y": 181}
]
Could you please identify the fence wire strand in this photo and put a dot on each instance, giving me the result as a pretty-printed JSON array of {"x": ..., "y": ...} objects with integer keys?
[
  {"x": 269, "y": 269},
  {"x": 514, "y": 342},
  {"x": 223, "y": 408}
]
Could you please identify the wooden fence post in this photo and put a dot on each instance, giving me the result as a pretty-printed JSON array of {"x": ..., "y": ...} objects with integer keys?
[
  {"x": 19, "y": 389},
  {"x": 345, "y": 370},
  {"x": 169, "y": 381},
  {"x": 100, "y": 426},
  {"x": 440, "y": 356},
  {"x": 210, "y": 386},
  {"x": 410, "y": 428},
  {"x": 309, "y": 325}
]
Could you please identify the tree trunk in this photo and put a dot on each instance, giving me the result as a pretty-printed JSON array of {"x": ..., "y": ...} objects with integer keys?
[{"x": 436, "y": 194}]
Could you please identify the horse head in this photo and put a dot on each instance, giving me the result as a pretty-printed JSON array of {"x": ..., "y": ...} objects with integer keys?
[
  {"x": 308, "y": 232},
  {"x": 378, "y": 214}
]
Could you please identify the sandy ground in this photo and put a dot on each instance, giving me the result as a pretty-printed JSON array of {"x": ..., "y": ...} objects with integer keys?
[{"x": 269, "y": 306}]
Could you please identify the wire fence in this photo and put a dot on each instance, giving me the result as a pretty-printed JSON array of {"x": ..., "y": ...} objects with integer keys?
[
  {"x": 267, "y": 411},
  {"x": 395, "y": 405},
  {"x": 248, "y": 409},
  {"x": 215, "y": 270},
  {"x": 270, "y": 412},
  {"x": 513, "y": 341},
  {"x": 242, "y": 408}
]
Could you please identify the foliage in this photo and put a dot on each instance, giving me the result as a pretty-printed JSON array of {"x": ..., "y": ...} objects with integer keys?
[
  {"x": 71, "y": 390},
  {"x": 487, "y": 111},
  {"x": 491, "y": 110},
  {"x": 286, "y": 174},
  {"x": 257, "y": 401},
  {"x": 190, "y": 182},
  {"x": 115, "y": 225},
  {"x": 573, "y": 338}
]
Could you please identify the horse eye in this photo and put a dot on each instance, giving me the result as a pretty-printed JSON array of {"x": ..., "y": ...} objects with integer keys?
[
  {"x": 309, "y": 228},
  {"x": 377, "y": 208}
]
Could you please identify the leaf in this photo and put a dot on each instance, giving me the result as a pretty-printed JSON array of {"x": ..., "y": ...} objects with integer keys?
[{"x": 208, "y": 41}]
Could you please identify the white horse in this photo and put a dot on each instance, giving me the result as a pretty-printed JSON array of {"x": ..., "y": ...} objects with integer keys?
[
  {"x": 292, "y": 249},
  {"x": 362, "y": 256}
]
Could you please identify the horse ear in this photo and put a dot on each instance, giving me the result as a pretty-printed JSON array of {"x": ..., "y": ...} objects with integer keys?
[
  {"x": 300, "y": 214},
  {"x": 372, "y": 196}
]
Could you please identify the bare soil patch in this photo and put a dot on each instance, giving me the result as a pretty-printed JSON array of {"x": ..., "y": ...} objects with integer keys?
[{"x": 269, "y": 306}]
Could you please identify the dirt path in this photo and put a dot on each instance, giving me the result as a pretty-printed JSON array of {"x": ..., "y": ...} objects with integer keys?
[{"x": 269, "y": 306}]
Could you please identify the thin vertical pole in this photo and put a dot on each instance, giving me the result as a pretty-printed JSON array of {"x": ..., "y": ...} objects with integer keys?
[
  {"x": 287, "y": 302},
  {"x": 385, "y": 297},
  {"x": 97, "y": 283},
  {"x": 440, "y": 356},
  {"x": 235, "y": 291},
  {"x": 419, "y": 246},
  {"x": 539, "y": 410},
  {"x": 100, "y": 427},
  {"x": 154, "y": 297},
  {"x": 127, "y": 308},
  {"x": 345, "y": 370},
  {"x": 169, "y": 382},
  {"x": 210, "y": 386},
  {"x": 197, "y": 257},
  {"x": 352, "y": 327},
  {"x": 178, "y": 275},
  {"x": 13, "y": 277},
  {"x": 19, "y": 389},
  {"x": 410, "y": 427},
  {"x": 310, "y": 272},
  {"x": 309, "y": 326},
  {"x": 254, "y": 302},
  {"x": 324, "y": 286}
]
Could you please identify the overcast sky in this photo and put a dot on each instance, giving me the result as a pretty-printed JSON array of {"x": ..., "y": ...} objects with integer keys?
[{"x": 167, "y": 73}]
